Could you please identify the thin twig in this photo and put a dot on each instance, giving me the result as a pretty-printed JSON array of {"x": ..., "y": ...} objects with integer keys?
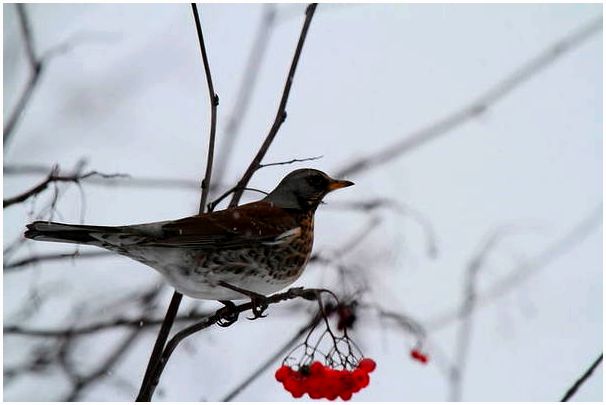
[
  {"x": 143, "y": 322},
  {"x": 36, "y": 66},
  {"x": 577, "y": 384},
  {"x": 49, "y": 209},
  {"x": 10, "y": 267},
  {"x": 281, "y": 113},
  {"x": 289, "y": 162},
  {"x": 214, "y": 102},
  {"x": 129, "y": 181},
  {"x": 476, "y": 107},
  {"x": 55, "y": 177},
  {"x": 213, "y": 204},
  {"x": 28, "y": 38}
]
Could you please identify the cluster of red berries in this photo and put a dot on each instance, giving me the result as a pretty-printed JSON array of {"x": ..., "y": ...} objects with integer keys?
[{"x": 320, "y": 381}]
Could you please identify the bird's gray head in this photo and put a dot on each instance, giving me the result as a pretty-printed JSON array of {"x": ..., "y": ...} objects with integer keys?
[{"x": 304, "y": 189}]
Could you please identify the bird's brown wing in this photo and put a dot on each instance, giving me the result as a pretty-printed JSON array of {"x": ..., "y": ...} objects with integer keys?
[{"x": 244, "y": 226}]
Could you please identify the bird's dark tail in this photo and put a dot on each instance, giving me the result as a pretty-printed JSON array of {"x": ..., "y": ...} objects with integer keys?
[{"x": 55, "y": 232}]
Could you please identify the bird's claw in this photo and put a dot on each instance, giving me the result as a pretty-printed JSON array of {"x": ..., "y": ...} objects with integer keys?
[
  {"x": 258, "y": 306},
  {"x": 227, "y": 315},
  {"x": 258, "y": 302}
]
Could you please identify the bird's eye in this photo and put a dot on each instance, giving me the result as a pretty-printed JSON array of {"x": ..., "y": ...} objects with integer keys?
[{"x": 316, "y": 180}]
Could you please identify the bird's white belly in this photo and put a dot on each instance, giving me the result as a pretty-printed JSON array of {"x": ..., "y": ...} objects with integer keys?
[{"x": 184, "y": 273}]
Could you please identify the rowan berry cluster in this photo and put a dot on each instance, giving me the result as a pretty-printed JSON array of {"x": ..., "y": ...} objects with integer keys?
[{"x": 320, "y": 381}]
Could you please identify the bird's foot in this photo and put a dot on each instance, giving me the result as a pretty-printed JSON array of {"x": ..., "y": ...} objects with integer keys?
[
  {"x": 259, "y": 305},
  {"x": 227, "y": 315},
  {"x": 258, "y": 302}
]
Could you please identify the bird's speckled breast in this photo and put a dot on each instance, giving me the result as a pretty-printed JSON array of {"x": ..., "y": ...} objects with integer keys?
[{"x": 297, "y": 252}]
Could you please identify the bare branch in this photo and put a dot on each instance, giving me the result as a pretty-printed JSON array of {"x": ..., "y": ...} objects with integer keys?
[
  {"x": 26, "y": 31},
  {"x": 213, "y": 204},
  {"x": 10, "y": 267},
  {"x": 55, "y": 177},
  {"x": 577, "y": 384},
  {"x": 476, "y": 107},
  {"x": 475, "y": 265},
  {"x": 289, "y": 162},
  {"x": 214, "y": 102},
  {"x": 281, "y": 113},
  {"x": 128, "y": 181},
  {"x": 36, "y": 65},
  {"x": 143, "y": 322}
]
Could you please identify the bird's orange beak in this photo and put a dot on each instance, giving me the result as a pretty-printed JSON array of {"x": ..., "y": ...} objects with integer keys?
[{"x": 337, "y": 184}]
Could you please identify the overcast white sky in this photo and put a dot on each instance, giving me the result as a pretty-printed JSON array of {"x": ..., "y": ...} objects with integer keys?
[{"x": 131, "y": 98}]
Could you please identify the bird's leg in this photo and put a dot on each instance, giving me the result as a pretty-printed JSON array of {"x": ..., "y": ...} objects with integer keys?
[
  {"x": 258, "y": 301},
  {"x": 227, "y": 314}
]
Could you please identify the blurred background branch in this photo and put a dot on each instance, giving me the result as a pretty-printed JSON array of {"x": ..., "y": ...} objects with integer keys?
[
  {"x": 477, "y": 107},
  {"x": 245, "y": 91},
  {"x": 36, "y": 67}
]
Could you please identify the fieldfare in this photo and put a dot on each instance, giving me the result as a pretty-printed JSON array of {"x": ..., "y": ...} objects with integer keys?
[{"x": 254, "y": 249}]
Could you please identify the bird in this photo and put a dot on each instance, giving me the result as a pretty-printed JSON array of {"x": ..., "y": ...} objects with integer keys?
[{"x": 248, "y": 251}]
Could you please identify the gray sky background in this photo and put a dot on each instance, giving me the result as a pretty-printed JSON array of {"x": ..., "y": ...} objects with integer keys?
[{"x": 131, "y": 98}]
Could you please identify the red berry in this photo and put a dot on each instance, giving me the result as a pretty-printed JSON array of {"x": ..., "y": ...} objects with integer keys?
[
  {"x": 346, "y": 396},
  {"x": 296, "y": 385},
  {"x": 298, "y": 392},
  {"x": 367, "y": 365},
  {"x": 313, "y": 386},
  {"x": 317, "y": 368},
  {"x": 282, "y": 373},
  {"x": 346, "y": 383},
  {"x": 419, "y": 356},
  {"x": 361, "y": 378},
  {"x": 315, "y": 393},
  {"x": 331, "y": 385},
  {"x": 331, "y": 390}
]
